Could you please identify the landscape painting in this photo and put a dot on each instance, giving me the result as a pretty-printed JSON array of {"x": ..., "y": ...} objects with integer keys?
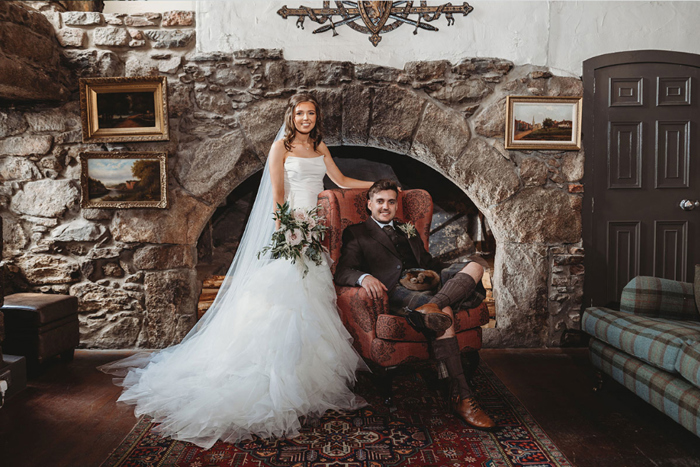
[
  {"x": 543, "y": 123},
  {"x": 124, "y": 180},
  {"x": 124, "y": 109}
]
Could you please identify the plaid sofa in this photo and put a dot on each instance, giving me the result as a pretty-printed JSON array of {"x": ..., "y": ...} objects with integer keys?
[{"x": 652, "y": 345}]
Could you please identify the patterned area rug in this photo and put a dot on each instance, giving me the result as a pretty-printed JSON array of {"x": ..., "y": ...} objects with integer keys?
[{"x": 419, "y": 431}]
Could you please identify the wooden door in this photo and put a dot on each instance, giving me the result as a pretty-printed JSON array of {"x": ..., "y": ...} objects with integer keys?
[{"x": 641, "y": 118}]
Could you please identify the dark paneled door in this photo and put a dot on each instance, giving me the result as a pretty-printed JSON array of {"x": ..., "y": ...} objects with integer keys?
[{"x": 642, "y": 182}]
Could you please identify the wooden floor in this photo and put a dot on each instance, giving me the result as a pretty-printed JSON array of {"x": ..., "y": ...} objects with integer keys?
[{"x": 68, "y": 417}]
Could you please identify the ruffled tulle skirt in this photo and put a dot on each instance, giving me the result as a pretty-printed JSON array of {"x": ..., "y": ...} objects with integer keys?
[{"x": 274, "y": 353}]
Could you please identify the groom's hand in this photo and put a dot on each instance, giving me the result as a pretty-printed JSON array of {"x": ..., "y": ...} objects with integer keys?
[{"x": 373, "y": 286}]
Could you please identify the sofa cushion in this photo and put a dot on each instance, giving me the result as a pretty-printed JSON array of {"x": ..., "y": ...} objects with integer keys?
[
  {"x": 688, "y": 363},
  {"x": 671, "y": 394},
  {"x": 395, "y": 328},
  {"x": 653, "y": 340},
  {"x": 659, "y": 298}
]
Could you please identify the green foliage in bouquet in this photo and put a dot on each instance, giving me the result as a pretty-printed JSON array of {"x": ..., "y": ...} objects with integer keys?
[{"x": 299, "y": 236}]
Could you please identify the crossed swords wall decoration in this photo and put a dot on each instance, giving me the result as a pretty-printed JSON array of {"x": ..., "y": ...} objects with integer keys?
[{"x": 375, "y": 16}]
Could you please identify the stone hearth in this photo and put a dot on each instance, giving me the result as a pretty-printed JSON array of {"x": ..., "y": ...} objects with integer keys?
[{"x": 134, "y": 270}]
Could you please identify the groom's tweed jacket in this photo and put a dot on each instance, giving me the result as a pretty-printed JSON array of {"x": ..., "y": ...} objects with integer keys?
[{"x": 368, "y": 250}]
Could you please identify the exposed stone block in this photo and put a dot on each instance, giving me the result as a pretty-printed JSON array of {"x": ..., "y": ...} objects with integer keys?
[
  {"x": 165, "y": 257},
  {"x": 169, "y": 39},
  {"x": 18, "y": 168},
  {"x": 487, "y": 176},
  {"x": 13, "y": 12},
  {"x": 25, "y": 145},
  {"x": 80, "y": 230},
  {"x": 533, "y": 172},
  {"x": 79, "y": 18},
  {"x": 472, "y": 90},
  {"x": 55, "y": 120},
  {"x": 539, "y": 215},
  {"x": 180, "y": 226},
  {"x": 109, "y": 36},
  {"x": 48, "y": 269},
  {"x": 427, "y": 71},
  {"x": 136, "y": 66},
  {"x": 45, "y": 198},
  {"x": 169, "y": 66},
  {"x": 115, "y": 19},
  {"x": 141, "y": 21},
  {"x": 178, "y": 18},
  {"x": 376, "y": 73},
  {"x": 112, "y": 270},
  {"x": 95, "y": 63},
  {"x": 442, "y": 136},
  {"x": 258, "y": 54},
  {"x": 395, "y": 115},
  {"x": 11, "y": 123},
  {"x": 71, "y": 37}
]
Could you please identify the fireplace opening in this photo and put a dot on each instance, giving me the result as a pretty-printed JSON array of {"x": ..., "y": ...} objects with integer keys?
[{"x": 458, "y": 230}]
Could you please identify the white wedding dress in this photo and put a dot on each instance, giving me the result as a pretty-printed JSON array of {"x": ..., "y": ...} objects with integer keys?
[{"x": 277, "y": 351}]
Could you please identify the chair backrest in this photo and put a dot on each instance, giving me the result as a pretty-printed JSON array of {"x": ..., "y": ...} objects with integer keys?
[{"x": 342, "y": 208}]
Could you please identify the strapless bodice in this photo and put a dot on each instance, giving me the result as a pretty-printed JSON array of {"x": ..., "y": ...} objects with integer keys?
[{"x": 303, "y": 180}]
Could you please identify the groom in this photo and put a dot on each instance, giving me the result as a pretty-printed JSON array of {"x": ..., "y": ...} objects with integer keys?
[{"x": 376, "y": 254}]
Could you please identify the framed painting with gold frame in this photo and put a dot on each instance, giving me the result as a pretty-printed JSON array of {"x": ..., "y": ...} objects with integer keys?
[
  {"x": 537, "y": 122},
  {"x": 124, "y": 180},
  {"x": 124, "y": 109}
]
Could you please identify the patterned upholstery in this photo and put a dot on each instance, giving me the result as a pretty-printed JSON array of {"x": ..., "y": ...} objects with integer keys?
[
  {"x": 378, "y": 336},
  {"x": 395, "y": 328},
  {"x": 673, "y": 396},
  {"x": 655, "y": 341},
  {"x": 342, "y": 208},
  {"x": 688, "y": 362},
  {"x": 659, "y": 298}
]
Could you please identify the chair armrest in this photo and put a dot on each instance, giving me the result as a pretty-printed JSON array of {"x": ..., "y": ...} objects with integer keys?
[
  {"x": 659, "y": 298},
  {"x": 357, "y": 307},
  {"x": 359, "y": 315}
]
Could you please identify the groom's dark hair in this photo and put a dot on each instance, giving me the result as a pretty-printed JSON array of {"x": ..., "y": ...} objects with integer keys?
[{"x": 383, "y": 185}]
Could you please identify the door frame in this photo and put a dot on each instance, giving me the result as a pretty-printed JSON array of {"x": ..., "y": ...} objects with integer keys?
[{"x": 590, "y": 66}]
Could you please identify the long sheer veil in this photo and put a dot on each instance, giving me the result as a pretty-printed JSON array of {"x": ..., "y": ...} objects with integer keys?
[{"x": 256, "y": 236}]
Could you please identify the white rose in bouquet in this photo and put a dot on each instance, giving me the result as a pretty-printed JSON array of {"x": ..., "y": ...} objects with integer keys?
[{"x": 294, "y": 237}]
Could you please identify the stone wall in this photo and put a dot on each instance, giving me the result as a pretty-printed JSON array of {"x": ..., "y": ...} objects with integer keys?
[{"x": 133, "y": 270}]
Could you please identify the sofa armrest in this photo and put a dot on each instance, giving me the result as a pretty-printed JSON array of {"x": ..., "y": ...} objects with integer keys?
[{"x": 659, "y": 298}]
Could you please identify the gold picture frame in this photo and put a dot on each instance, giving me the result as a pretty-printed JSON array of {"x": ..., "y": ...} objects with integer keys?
[
  {"x": 124, "y": 109},
  {"x": 118, "y": 180},
  {"x": 537, "y": 122}
]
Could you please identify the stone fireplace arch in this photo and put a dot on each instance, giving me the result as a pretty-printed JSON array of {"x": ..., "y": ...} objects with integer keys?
[{"x": 525, "y": 220}]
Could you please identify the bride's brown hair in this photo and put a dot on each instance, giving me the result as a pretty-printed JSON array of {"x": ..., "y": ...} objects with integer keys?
[{"x": 316, "y": 134}]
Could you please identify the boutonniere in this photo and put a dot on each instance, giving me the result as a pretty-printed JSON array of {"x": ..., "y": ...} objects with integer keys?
[{"x": 409, "y": 229}]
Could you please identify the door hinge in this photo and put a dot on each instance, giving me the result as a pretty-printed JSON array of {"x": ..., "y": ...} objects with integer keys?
[{"x": 592, "y": 204}]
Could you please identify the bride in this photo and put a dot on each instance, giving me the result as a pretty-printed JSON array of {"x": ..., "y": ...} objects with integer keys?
[{"x": 272, "y": 348}]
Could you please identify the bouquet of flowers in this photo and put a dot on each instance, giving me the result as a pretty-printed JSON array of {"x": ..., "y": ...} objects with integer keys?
[{"x": 299, "y": 236}]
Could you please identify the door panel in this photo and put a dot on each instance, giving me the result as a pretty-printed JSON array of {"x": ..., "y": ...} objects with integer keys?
[{"x": 642, "y": 158}]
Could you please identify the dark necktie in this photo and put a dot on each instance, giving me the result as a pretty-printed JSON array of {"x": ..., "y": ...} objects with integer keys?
[{"x": 391, "y": 233}]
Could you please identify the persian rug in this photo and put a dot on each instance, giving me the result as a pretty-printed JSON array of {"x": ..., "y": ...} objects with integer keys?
[{"x": 418, "y": 431}]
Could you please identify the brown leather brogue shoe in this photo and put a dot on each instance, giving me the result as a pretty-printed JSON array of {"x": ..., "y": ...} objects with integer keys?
[
  {"x": 434, "y": 318},
  {"x": 470, "y": 412}
]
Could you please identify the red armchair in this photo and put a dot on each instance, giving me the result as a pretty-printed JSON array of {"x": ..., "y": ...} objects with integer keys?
[{"x": 384, "y": 340}]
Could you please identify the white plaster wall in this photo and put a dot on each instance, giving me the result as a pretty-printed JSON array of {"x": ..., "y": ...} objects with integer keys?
[{"x": 556, "y": 34}]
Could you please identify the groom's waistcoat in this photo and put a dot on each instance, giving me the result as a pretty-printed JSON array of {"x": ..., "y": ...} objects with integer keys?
[{"x": 367, "y": 249}]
